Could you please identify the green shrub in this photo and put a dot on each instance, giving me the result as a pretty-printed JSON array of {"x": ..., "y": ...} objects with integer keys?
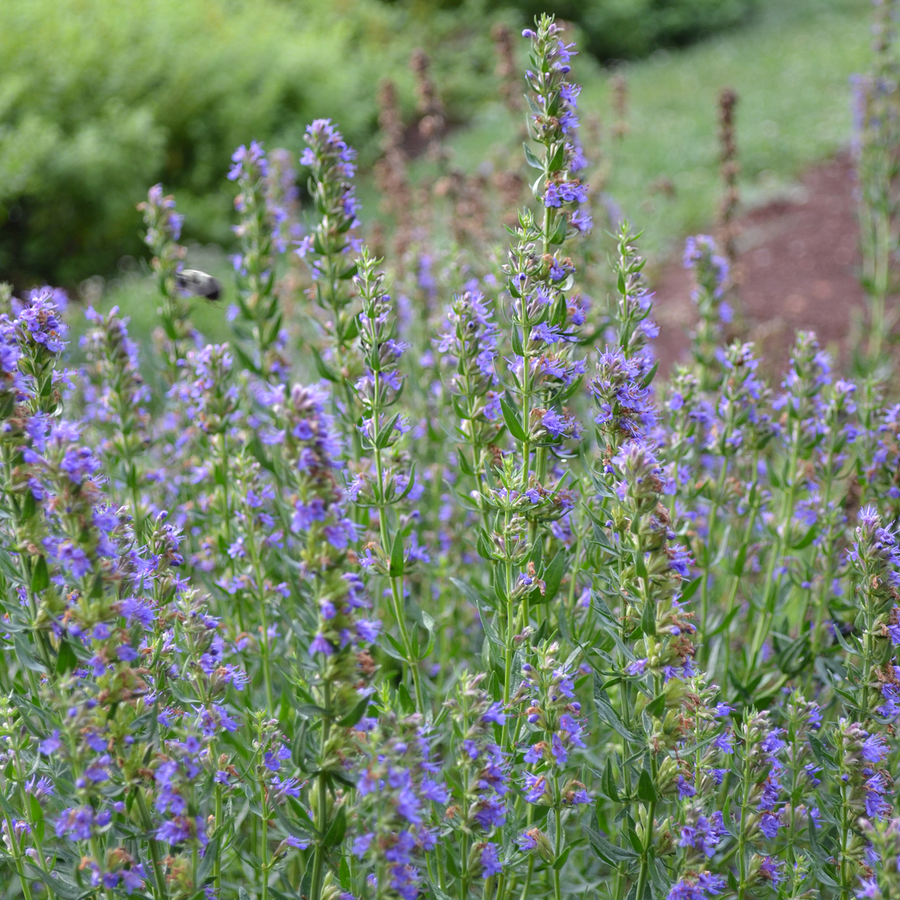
[
  {"x": 99, "y": 100},
  {"x": 626, "y": 29}
]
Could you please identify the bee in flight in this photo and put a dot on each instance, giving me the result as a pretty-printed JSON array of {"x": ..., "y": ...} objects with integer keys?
[{"x": 199, "y": 284}]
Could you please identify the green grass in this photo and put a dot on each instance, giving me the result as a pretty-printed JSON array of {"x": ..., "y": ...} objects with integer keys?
[{"x": 790, "y": 67}]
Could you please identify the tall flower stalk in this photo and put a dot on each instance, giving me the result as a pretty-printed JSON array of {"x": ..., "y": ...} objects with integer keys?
[
  {"x": 163, "y": 231},
  {"x": 261, "y": 242},
  {"x": 382, "y": 429}
]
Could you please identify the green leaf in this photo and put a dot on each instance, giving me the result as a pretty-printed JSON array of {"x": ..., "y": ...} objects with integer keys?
[
  {"x": 352, "y": 329},
  {"x": 337, "y": 830},
  {"x": 823, "y": 757},
  {"x": 807, "y": 538},
  {"x": 658, "y": 880},
  {"x": 560, "y": 231},
  {"x": 40, "y": 575},
  {"x": 475, "y": 597},
  {"x": 607, "y": 714},
  {"x": 437, "y": 893},
  {"x": 244, "y": 358},
  {"x": 656, "y": 706},
  {"x": 407, "y": 704},
  {"x": 839, "y": 637},
  {"x": 650, "y": 375},
  {"x": 554, "y": 574},
  {"x": 610, "y": 787},
  {"x": 640, "y": 564},
  {"x": 691, "y": 589},
  {"x": 64, "y": 889},
  {"x": 646, "y": 789},
  {"x": 324, "y": 370},
  {"x": 740, "y": 559},
  {"x": 25, "y": 656},
  {"x": 66, "y": 659},
  {"x": 386, "y": 434},
  {"x": 531, "y": 159},
  {"x": 29, "y": 506},
  {"x": 648, "y": 617},
  {"x": 37, "y": 817},
  {"x": 396, "y": 570},
  {"x": 210, "y": 855},
  {"x": 516, "y": 339},
  {"x": 392, "y": 647},
  {"x": 357, "y": 713},
  {"x": 558, "y": 158},
  {"x": 512, "y": 421}
]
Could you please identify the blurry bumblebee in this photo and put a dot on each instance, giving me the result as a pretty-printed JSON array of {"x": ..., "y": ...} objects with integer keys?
[{"x": 198, "y": 283}]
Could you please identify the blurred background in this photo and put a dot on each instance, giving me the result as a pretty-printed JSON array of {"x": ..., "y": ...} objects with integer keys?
[{"x": 100, "y": 100}]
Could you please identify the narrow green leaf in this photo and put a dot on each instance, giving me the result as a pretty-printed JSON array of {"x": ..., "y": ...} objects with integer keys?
[
  {"x": 607, "y": 714},
  {"x": 391, "y": 646},
  {"x": 210, "y": 855},
  {"x": 807, "y": 538},
  {"x": 646, "y": 788},
  {"x": 407, "y": 704},
  {"x": 648, "y": 617},
  {"x": 559, "y": 232},
  {"x": 356, "y": 714},
  {"x": 66, "y": 660},
  {"x": 650, "y": 375},
  {"x": 25, "y": 656},
  {"x": 640, "y": 565},
  {"x": 337, "y": 829},
  {"x": 691, "y": 589},
  {"x": 40, "y": 575},
  {"x": 512, "y": 421},
  {"x": 396, "y": 570},
  {"x": 656, "y": 706},
  {"x": 516, "y": 338},
  {"x": 531, "y": 159},
  {"x": 63, "y": 889},
  {"x": 558, "y": 158},
  {"x": 740, "y": 560},
  {"x": 560, "y": 861},
  {"x": 609, "y": 782},
  {"x": 554, "y": 575},
  {"x": 324, "y": 370}
]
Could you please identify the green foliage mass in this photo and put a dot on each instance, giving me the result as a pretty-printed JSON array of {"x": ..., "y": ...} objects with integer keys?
[
  {"x": 628, "y": 29},
  {"x": 98, "y": 100}
]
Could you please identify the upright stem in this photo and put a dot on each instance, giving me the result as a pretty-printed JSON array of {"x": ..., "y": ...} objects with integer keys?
[
  {"x": 742, "y": 833},
  {"x": 318, "y": 875},
  {"x": 557, "y": 849},
  {"x": 708, "y": 558},
  {"x": 772, "y": 583}
]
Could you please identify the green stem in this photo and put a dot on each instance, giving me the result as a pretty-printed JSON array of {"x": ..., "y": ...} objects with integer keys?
[
  {"x": 18, "y": 858},
  {"x": 707, "y": 561},
  {"x": 156, "y": 859},
  {"x": 318, "y": 875},
  {"x": 772, "y": 583},
  {"x": 557, "y": 849}
]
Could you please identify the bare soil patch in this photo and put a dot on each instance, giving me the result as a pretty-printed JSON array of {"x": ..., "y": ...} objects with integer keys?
[{"x": 798, "y": 268}]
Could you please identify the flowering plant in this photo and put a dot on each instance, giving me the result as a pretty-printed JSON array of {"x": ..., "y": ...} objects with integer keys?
[{"x": 423, "y": 586}]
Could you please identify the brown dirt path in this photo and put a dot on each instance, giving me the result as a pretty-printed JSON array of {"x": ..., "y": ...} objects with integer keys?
[{"x": 798, "y": 263}]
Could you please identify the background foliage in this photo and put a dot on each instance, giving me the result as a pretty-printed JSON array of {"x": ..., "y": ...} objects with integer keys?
[{"x": 115, "y": 96}]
